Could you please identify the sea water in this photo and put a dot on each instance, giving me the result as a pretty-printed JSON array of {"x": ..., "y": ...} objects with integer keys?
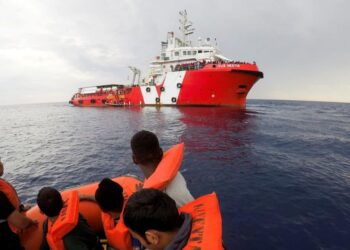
[{"x": 281, "y": 169}]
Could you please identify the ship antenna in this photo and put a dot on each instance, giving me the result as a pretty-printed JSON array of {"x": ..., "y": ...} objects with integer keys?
[{"x": 186, "y": 28}]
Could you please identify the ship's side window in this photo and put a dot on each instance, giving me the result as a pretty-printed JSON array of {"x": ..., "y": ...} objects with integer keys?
[
  {"x": 184, "y": 53},
  {"x": 194, "y": 52},
  {"x": 199, "y": 51},
  {"x": 176, "y": 53}
]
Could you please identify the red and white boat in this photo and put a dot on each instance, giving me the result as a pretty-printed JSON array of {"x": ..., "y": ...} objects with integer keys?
[{"x": 183, "y": 74}]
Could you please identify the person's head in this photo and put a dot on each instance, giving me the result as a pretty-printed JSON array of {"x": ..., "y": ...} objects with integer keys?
[
  {"x": 152, "y": 217},
  {"x": 1, "y": 168},
  {"x": 49, "y": 201},
  {"x": 109, "y": 196},
  {"x": 145, "y": 148}
]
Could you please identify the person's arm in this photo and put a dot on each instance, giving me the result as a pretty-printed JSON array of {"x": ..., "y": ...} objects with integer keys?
[
  {"x": 87, "y": 197},
  {"x": 12, "y": 215},
  {"x": 44, "y": 245},
  {"x": 20, "y": 221},
  {"x": 24, "y": 207}
]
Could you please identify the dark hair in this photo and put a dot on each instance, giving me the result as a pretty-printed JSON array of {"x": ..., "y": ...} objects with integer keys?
[
  {"x": 49, "y": 201},
  {"x": 151, "y": 209},
  {"x": 145, "y": 148},
  {"x": 109, "y": 196}
]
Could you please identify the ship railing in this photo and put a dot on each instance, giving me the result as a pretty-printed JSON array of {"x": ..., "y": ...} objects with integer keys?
[
  {"x": 190, "y": 66},
  {"x": 229, "y": 62},
  {"x": 201, "y": 64},
  {"x": 98, "y": 93}
]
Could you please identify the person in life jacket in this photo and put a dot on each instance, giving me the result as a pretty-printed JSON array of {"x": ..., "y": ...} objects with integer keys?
[
  {"x": 148, "y": 155},
  {"x": 11, "y": 219},
  {"x": 65, "y": 228},
  {"x": 111, "y": 197},
  {"x": 153, "y": 218}
]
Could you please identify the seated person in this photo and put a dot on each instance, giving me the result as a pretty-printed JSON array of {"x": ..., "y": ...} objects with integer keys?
[
  {"x": 58, "y": 233},
  {"x": 153, "y": 218},
  {"x": 10, "y": 209},
  {"x": 109, "y": 197},
  {"x": 147, "y": 154}
]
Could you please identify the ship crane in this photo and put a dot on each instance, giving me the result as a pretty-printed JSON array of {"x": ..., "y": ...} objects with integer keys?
[{"x": 136, "y": 73}]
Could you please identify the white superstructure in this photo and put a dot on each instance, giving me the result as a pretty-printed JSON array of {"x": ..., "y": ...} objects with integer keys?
[{"x": 176, "y": 52}]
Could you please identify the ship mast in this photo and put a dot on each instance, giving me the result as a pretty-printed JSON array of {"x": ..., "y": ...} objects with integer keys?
[{"x": 186, "y": 28}]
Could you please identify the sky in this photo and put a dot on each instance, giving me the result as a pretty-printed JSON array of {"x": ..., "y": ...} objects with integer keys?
[{"x": 48, "y": 49}]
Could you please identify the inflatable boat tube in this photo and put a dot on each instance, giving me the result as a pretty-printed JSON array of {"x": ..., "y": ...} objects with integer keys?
[{"x": 31, "y": 238}]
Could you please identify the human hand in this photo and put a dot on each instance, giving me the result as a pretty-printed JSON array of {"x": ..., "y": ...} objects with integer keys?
[
  {"x": 24, "y": 207},
  {"x": 139, "y": 186}
]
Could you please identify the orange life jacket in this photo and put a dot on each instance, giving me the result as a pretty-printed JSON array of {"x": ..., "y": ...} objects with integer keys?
[
  {"x": 118, "y": 235},
  {"x": 206, "y": 231},
  {"x": 11, "y": 194},
  {"x": 166, "y": 169},
  {"x": 66, "y": 222}
]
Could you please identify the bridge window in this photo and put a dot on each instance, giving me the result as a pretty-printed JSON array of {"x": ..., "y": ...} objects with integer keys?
[
  {"x": 176, "y": 53},
  {"x": 199, "y": 51}
]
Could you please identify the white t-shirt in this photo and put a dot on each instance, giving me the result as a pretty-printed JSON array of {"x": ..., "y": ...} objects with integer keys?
[{"x": 177, "y": 190}]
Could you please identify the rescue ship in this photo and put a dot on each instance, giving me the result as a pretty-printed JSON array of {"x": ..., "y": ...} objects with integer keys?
[{"x": 184, "y": 74}]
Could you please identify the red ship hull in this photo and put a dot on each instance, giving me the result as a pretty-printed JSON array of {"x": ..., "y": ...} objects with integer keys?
[{"x": 214, "y": 85}]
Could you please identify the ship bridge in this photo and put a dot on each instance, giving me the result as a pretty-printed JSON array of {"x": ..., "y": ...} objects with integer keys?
[{"x": 176, "y": 51}]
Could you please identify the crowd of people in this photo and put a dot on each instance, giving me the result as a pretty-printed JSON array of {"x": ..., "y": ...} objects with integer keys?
[
  {"x": 200, "y": 64},
  {"x": 159, "y": 213}
]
